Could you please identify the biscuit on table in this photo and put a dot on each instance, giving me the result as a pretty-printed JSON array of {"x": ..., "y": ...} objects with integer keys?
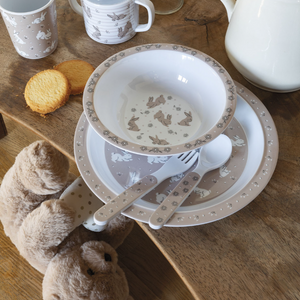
[
  {"x": 47, "y": 91},
  {"x": 78, "y": 72}
]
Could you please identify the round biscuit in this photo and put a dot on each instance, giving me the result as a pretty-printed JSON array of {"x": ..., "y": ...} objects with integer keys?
[
  {"x": 78, "y": 72},
  {"x": 47, "y": 91}
]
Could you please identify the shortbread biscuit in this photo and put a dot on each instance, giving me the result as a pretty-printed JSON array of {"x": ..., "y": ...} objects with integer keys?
[
  {"x": 77, "y": 72},
  {"x": 47, "y": 91}
]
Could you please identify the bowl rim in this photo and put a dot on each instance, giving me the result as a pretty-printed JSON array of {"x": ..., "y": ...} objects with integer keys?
[{"x": 157, "y": 150}]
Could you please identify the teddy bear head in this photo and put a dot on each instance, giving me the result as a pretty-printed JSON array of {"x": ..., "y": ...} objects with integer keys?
[{"x": 89, "y": 271}]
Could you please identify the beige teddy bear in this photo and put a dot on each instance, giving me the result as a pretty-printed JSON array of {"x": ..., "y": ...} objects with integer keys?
[{"x": 77, "y": 263}]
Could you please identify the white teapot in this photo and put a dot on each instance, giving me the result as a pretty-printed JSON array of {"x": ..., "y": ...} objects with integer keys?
[{"x": 263, "y": 42}]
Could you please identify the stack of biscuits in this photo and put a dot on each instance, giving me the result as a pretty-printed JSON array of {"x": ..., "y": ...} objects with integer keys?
[{"x": 50, "y": 89}]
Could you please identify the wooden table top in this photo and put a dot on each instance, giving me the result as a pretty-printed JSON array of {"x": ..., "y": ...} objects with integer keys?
[{"x": 252, "y": 254}]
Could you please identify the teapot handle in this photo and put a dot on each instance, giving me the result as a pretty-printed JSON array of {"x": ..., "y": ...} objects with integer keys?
[{"x": 229, "y": 5}]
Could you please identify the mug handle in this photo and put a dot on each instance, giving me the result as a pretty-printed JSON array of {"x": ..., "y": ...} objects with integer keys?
[
  {"x": 76, "y": 7},
  {"x": 151, "y": 14}
]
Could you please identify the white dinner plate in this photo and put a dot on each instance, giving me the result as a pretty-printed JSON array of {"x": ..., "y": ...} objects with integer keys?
[
  {"x": 127, "y": 168},
  {"x": 262, "y": 154}
]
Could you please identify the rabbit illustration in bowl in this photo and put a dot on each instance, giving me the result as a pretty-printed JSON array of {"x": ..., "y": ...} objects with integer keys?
[{"x": 161, "y": 118}]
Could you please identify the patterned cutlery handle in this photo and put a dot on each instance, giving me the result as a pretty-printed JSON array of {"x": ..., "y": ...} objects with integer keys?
[
  {"x": 168, "y": 207},
  {"x": 115, "y": 206}
]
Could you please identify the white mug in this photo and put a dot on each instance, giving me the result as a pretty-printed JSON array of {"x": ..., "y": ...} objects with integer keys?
[
  {"x": 113, "y": 21},
  {"x": 31, "y": 25}
]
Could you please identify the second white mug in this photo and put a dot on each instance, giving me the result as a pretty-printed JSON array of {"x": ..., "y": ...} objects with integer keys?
[{"x": 113, "y": 21}]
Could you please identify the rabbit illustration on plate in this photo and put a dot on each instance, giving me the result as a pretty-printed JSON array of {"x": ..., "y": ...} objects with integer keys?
[
  {"x": 157, "y": 141},
  {"x": 132, "y": 124},
  {"x": 224, "y": 171},
  {"x": 161, "y": 118},
  {"x": 202, "y": 192},
  {"x": 157, "y": 159},
  {"x": 125, "y": 157},
  {"x": 158, "y": 101},
  {"x": 132, "y": 178},
  {"x": 176, "y": 178},
  {"x": 186, "y": 121},
  {"x": 160, "y": 197},
  {"x": 237, "y": 141}
]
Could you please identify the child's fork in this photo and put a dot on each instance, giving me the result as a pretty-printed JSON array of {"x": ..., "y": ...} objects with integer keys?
[{"x": 173, "y": 166}]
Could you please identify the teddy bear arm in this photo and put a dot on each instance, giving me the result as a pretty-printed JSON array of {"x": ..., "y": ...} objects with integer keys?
[{"x": 42, "y": 232}]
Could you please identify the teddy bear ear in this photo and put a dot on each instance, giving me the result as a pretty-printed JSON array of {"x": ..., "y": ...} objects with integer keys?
[{"x": 41, "y": 168}]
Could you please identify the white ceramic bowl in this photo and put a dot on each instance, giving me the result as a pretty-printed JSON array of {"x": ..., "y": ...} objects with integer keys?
[{"x": 159, "y": 99}]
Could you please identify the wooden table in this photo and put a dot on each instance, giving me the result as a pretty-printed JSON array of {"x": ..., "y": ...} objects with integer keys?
[{"x": 253, "y": 254}]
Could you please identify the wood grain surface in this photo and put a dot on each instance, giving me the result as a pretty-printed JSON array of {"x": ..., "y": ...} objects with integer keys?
[
  {"x": 253, "y": 254},
  {"x": 3, "y": 130}
]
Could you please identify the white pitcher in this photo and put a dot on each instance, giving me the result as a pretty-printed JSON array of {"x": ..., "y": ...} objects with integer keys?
[{"x": 263, "y": 42}]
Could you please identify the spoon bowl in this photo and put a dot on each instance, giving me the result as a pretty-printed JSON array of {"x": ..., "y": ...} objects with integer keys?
[{"x": 214, "y": 154}]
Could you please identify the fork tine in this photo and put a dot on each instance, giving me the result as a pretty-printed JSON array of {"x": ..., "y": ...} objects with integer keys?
[
  {"x": 180, "y": 155},
  {"x": 184, "y": 155},
  {"x": 193, "y": 157},
  {"x": 188, "y": 156}
]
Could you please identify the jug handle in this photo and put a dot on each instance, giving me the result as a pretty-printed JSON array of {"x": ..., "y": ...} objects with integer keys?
[{"x": 229, "y": 5}]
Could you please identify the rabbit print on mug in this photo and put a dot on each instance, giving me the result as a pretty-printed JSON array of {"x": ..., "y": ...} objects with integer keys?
[
  {"x": 41, "y": 19},
  {"x": 115, "y": 17},
  {"x": 123, "y": 32},
  {"x": 117, "y": 22}
]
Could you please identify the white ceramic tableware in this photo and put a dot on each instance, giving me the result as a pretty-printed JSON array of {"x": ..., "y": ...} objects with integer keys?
[
  {"x": 263, "y": 42},
  {"x": 173, "y": 166},
  {"x": 212, "y": 156},
  {"x": 260, "y": 140},
  {"x": 159, "y": 99},
  {"x": 113, "y": 21},
  {"x": 31, "y": 25}
]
